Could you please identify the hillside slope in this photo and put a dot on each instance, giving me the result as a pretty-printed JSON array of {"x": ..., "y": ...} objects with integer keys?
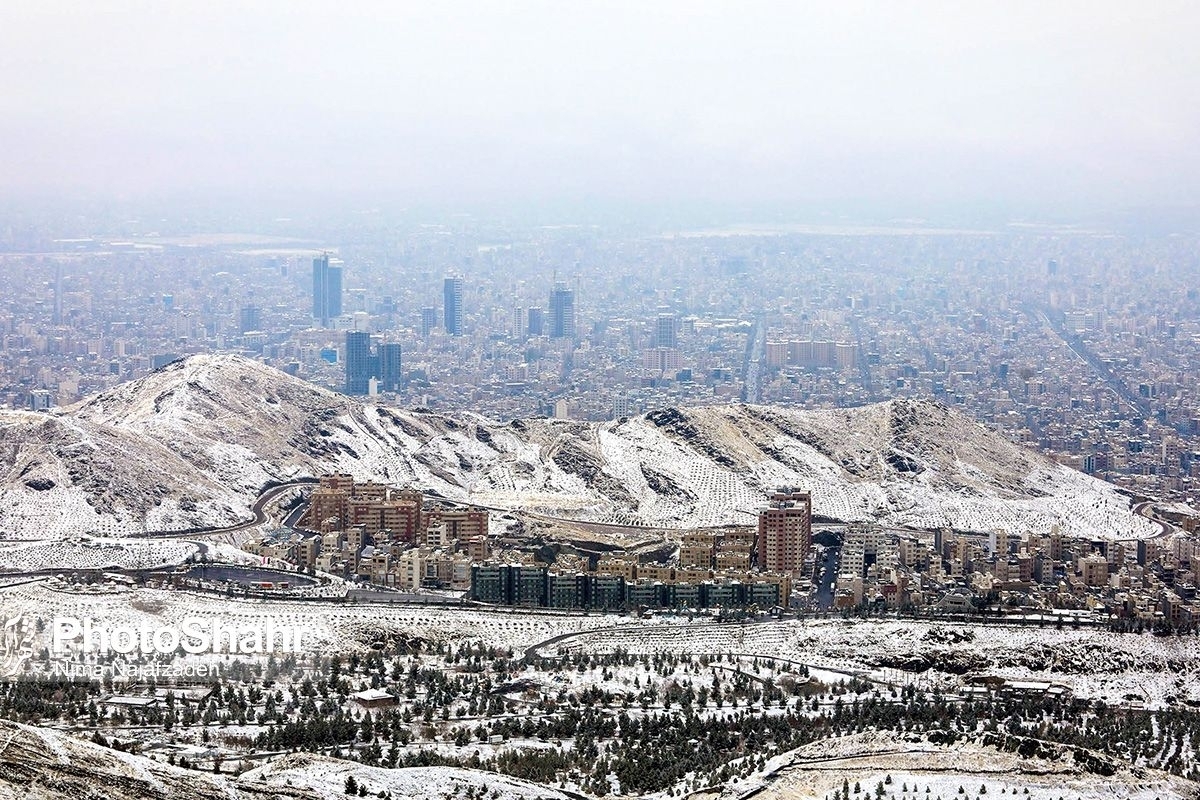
[
  {"x": 979, "y": 767},
  {"x": 43, "y": 764},
  {"x": 193, "y": 443}
]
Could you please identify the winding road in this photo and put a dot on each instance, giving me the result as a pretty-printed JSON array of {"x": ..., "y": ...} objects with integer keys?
[
  {"x": 1146, "y": 509},
  {"x": 258, "y": 515}
]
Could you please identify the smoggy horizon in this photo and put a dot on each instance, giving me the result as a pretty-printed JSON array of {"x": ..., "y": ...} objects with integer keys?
[{"x": 934, "y": 110}]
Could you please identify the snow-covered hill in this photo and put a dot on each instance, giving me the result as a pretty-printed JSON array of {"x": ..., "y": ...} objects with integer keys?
[
  {"x": 44, "y": 764},
  {"x": 912, "y": 766},
  {"x": 193, "y": 443}
]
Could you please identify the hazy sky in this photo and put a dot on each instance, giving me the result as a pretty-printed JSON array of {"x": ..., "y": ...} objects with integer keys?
[{"x": 1027, "y": 105}]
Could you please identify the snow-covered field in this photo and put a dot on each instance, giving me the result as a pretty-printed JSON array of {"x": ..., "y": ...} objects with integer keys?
[
  {"x": 1117, "y": 668},
  {"x": 41, "y": 764},
  {"x": 192, "y": 444},
  {"x": 908, "y": 766},
  {"x": 88, "y": 553},
  {"x": 912, "y": 769},
  {"x": 328, "y": 776},
  {"x": 327, "y": 627},
  {"x": 1126, "y": 669}
]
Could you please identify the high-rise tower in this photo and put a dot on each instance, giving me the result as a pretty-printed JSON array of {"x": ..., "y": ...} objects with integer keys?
[
  {"x": 428, "y": 321},
  {"x": 58, "y": 298},
  {"x": 327, "y": 290},
  {"x": 453, "y": 311},
  {"x": 250, "y": 319},
  {"x": 537, "y": 321},
  {"x": 359, "y": 362},
  {"x": 666, "y": 330},
  {"x": 562, "y": 312},
  {"x": 389, "y": 366},
  {"x": 785, "y": 531}
]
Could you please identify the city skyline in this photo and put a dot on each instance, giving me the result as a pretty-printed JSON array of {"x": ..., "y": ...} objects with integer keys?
[
  {"x": 1079, "y": 344},
  {"x": 797, "y": 401}
]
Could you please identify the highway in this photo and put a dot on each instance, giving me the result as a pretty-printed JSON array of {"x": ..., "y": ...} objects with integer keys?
[
  {"x": 1146, "y": 510},
  {"x": 756, "y": 350},
  {"x": 1077, "y": 346},
  {"x": 258, "y": 516}
]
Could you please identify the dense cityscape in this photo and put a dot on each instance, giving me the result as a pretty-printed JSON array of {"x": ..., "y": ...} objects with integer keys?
[
  {"x": 573, "y": 401},
  {"x": 1081, "y": 344}
]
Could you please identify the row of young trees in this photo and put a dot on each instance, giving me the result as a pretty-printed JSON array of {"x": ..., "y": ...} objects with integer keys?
[{"x": 681, "y": 720}]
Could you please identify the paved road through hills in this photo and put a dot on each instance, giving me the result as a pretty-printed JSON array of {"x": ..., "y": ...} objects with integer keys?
[{"x": 258, "y": 515}]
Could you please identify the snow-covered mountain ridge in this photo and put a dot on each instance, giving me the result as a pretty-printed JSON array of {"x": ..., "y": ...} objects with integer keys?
[{"x": 193, "y": 443}]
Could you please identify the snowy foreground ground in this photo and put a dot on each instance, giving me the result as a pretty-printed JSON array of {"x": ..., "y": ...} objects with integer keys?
[
  {"x": 84, "y": 552},
  {"x": 327, "y": 627},
  {"x": 37, "y": 764},
  {"x": 913, "y": 769},
  {"x": 1127, "y": 669},
  {"x": 1131, "y": 671},
  {"x": 1138, "y": 670},
  {"x": 328, "y": 777},
  {"x": 48, "y": 765}
]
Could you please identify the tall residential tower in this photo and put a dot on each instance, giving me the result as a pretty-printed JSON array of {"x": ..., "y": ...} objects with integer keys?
[
  {"x": 453, "y": 311},
  {"x": 562, "y": 312},
  {"x": 361, "y": 366},
  {"x": 785, "y": 531},
  {"x": 327, "y": 290}
]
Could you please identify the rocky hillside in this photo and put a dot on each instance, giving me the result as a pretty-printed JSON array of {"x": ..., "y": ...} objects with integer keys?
[
  {"x": 193, "y": 443},
  {"x": 43, "y": 764}
]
